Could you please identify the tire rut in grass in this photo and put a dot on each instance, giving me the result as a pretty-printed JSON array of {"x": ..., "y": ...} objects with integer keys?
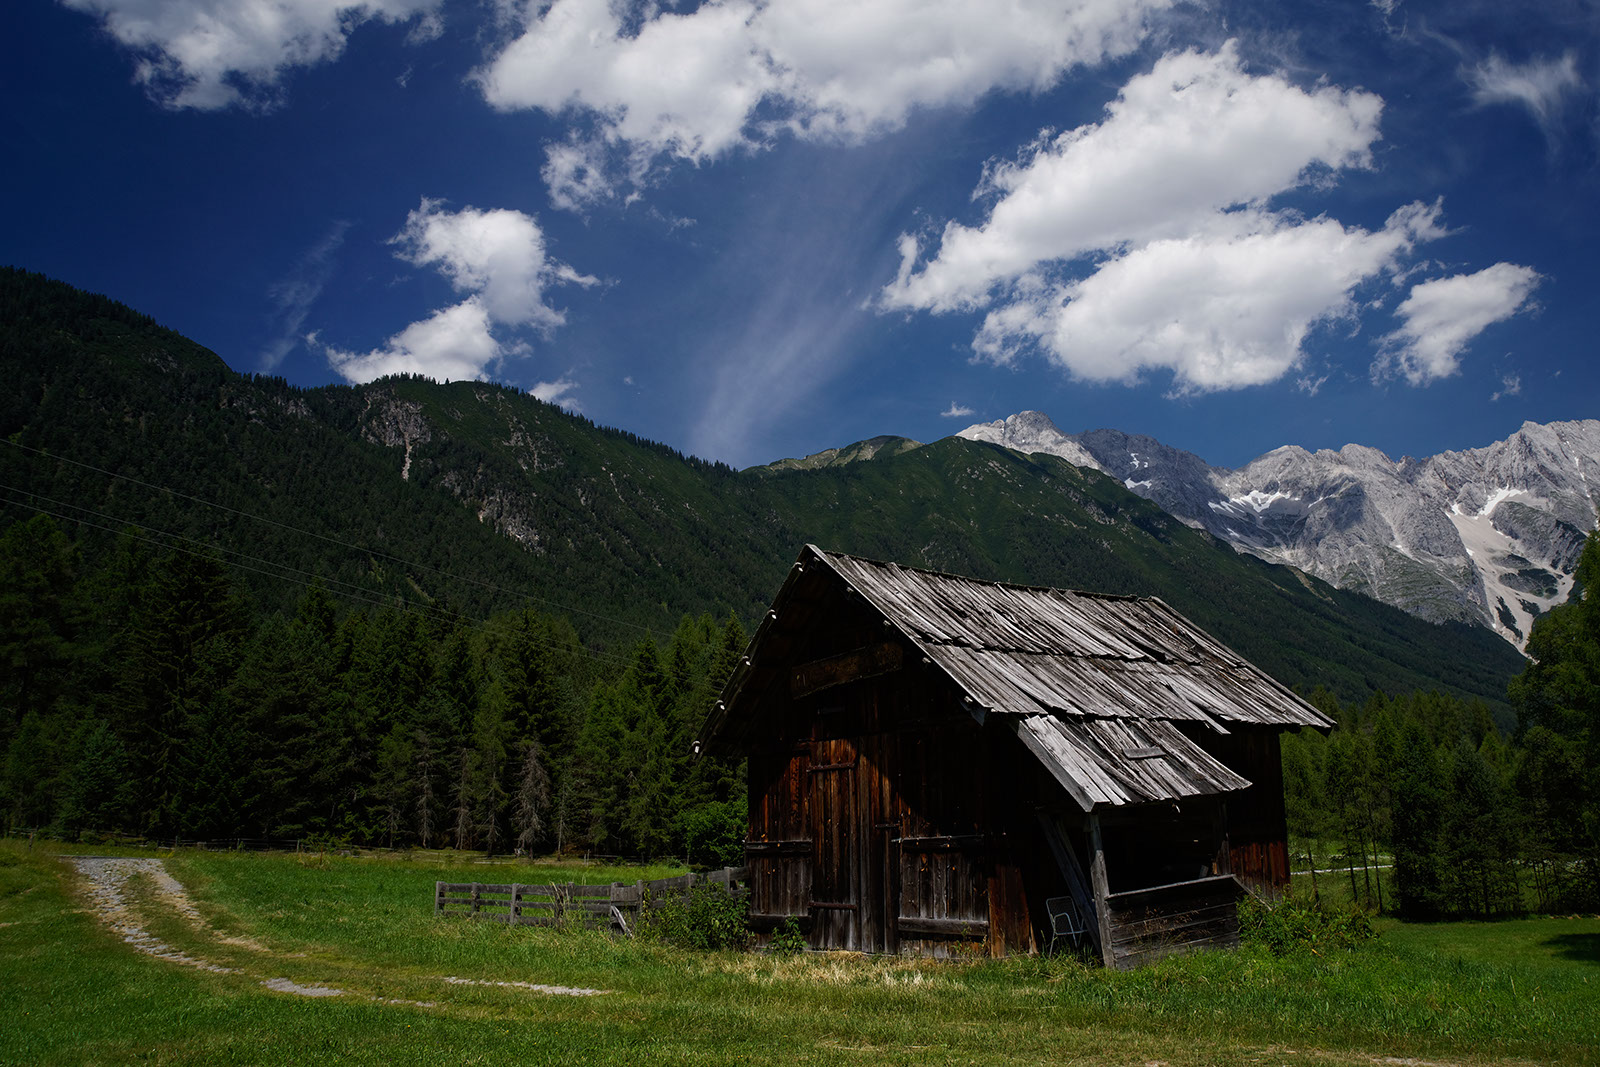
[{"x": 106, "y": 881}]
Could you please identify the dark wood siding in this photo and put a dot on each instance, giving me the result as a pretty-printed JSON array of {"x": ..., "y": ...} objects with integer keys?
[
  {"x": 1257, "y": 829},
  {"x": 780, "y": 848},
  {"x": 869, "y": 815},
  {"x": 1146, "y": 924},
  {"x": 943, "y": 840},
  {"x": 836, "y": 902},
  {"x": 894, "y": 809}
]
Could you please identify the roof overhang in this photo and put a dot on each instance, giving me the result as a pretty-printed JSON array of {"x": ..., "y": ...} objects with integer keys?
[
  {"x": 1085, "y": 677},
  {"x": 1116, "y": 762}
]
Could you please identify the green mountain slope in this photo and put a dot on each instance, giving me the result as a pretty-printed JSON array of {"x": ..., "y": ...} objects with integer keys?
[
  {"x": 478, "y": 497},
  {"x": 871, "y": 448}
]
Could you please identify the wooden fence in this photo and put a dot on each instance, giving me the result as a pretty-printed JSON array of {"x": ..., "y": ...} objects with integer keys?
[{"x": 616, "y": 905}]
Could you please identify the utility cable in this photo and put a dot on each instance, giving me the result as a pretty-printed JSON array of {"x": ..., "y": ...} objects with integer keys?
[
  {"x": 336, "y": 541},
  {"x": 349, "y": 592}
]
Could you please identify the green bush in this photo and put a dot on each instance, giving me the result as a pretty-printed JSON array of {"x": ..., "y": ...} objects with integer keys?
[
  {"x": 713, "y": 834},
  {"x": 706, "y": 917},
  {"x": 1288, "y": 926},
  {"x": 787, "y": 938}
]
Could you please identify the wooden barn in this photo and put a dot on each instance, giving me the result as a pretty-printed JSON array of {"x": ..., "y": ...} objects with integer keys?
[{"x": 944, "y": 766}]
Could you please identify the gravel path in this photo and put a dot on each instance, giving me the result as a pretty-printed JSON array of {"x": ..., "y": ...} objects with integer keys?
[{"x": 106, "y": 879}]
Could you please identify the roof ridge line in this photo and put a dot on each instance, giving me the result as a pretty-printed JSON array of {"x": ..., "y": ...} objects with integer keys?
[{"x": 830, "y": 555}]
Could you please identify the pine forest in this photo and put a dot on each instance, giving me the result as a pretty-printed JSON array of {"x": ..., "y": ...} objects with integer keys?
[{"x": 411, "y": 615}]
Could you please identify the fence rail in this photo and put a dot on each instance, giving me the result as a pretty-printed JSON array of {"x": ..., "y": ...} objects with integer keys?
[
  {"x": 616, "y": 905},
  {"x": 228, "y": 844}
]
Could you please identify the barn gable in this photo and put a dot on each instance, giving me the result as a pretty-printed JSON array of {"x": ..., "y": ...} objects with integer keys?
[{"x": 1002, "y": 737}]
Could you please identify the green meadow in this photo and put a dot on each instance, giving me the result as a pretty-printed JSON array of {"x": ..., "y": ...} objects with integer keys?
[{"x": 415, "y": 989}]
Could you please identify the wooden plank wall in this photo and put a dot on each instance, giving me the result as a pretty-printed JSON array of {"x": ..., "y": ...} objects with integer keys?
[
  {"x": 884, "y": 818},
  {"x": 868, "y": 805},
  {"x": 944, "y": 842},
  {"x": 1147, "y": 924},
  {"x": 1257, "y": 828}
]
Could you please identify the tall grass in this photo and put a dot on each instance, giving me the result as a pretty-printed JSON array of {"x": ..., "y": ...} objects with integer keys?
[{"x": 72, "y": 993}]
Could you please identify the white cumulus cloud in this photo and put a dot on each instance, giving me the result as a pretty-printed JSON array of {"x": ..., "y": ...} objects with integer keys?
[
  {"x": 1220, "y": 310},
  {"x": 849, "y": 69},
  {"x": 208, "y": 54},
  {"x": 1441, "y": 317},
  {"x": 557, "y": 392},
  {"x": 956, "y": 411},
  {"x": 653, "y": 83},
  {"x": 1192, "y": 137},
  {"x": 499, "y": 254},
  {"x": 500, "y": 260},
  {"x": 1149, "y": 241},
  {"x": 453, "y": 343}
]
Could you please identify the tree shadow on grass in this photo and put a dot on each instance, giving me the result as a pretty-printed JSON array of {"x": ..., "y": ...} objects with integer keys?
[{"x": 1584, "y": 948}]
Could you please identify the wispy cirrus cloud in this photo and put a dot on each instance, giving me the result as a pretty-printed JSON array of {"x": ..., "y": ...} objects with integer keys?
[
  {"x": 1540, "y": 86},
  {"x": 294, "y": 295},
  {"x": 1510, "y": 385}
]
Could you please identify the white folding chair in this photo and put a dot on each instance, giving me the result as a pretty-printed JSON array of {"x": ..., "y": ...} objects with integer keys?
[{"x": 1064, "y": 921}]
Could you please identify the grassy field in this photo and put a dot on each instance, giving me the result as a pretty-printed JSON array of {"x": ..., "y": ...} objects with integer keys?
[{"x": 414, "y": 989}]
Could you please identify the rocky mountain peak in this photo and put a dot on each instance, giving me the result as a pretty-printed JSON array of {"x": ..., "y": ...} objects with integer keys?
[
  {"x": 1488, "y": 535},
  {"x": 1029, "y": 432}
]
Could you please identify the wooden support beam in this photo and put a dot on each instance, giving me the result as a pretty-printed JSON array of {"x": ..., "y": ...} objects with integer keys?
[
  {"x": 1077, "y": 885},
  {"x": 798, "y": 847},
  {"x": 1102, "y": 888},
  {"x": 869, "y": 662},
  {"x": 911, "y": 926}
]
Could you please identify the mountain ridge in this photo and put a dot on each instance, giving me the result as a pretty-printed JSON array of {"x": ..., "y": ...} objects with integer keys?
[
  {"x": 387, "y": 490},
  {"x": 1489, "y": 535}
]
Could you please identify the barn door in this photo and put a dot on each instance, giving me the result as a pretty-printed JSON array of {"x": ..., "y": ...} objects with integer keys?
[
  {"x": 835, "y": 904},
  {"x": 780, "y": 848}
]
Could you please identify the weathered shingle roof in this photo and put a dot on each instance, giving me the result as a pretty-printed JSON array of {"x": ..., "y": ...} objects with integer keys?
[
  {"x": 1112, "y": 762},
  {"x": 1091, "y": 683},
  {"x": 1023, "y": 650}
]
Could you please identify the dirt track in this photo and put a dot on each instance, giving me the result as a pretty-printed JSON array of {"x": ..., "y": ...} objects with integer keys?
[{"x": 107, "y": 882}]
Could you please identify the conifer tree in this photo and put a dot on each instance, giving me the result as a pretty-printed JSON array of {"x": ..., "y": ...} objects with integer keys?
[
  {"x": 94, "y": 795},
  {"x": 1557, "y": 699},
  {"x": 533, "y": 798},
  {"x": 466, "y": 798},
  {"x": 424, "y": 791},
  {"x": 1419, "y": 798},
  {"x": 395, "y": 782}
]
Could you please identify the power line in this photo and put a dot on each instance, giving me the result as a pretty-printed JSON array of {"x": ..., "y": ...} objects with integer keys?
[
  {"x": 205, "y": 546},
  {"x": 350, "y": 592},
  {"x": 490, "y": 586}
]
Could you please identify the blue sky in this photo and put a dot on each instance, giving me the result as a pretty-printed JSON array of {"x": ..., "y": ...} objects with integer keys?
[{"x": 759, "y": 229}]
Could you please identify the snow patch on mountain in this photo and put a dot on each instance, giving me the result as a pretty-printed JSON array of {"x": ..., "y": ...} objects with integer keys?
[{"x": 1489, "y": 535}]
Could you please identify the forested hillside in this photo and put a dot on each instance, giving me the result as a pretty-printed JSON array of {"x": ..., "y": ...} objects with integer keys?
[
  {"x": 147, "y": 696},
  {"x": 1477, "y": 823},
  {"x": 280, "y": 611}
]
